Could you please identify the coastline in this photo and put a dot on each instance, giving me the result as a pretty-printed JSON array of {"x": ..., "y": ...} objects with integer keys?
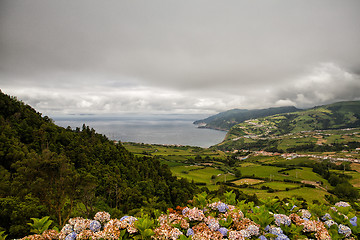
[{"x": 205, "y": 126}]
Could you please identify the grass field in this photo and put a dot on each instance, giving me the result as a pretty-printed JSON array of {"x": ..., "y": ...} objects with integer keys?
[
  {"x": 225, "y": 178},
  {"x": 198, "y": 174},
  {"x": 278, "y": 185},
  {"x": 355, "y": 181},
  {"x": 293, "y": 162},
  {"x": 248, "y": 181},
  {"x": 162, "y": 150},
  {"x": 175, "y": 158},
  {"x": 356, "y": 167},
  {"x": 172, "y": 164},
  {"x": 290, "y": 142},
  {"x": 304, "y": 174},
  {"x": 308, "y": 194},
  {"x": 258, "y": 170}
]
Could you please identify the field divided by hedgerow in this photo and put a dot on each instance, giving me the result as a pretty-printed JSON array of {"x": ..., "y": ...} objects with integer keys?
[{"x": 265, "y": 176}]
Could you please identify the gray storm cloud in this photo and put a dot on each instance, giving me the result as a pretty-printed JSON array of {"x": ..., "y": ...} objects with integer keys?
[
  {"x": 326, "y": 83},
  {"x": 178, "y": 56}
]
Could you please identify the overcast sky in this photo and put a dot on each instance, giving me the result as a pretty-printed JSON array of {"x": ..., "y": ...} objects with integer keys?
[{"x": 185, "y": 56}]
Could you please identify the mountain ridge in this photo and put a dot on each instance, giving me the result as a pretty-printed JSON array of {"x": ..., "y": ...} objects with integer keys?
[
  {"x": 258, "y": 132},
  {"x": 225, "y": 120}
]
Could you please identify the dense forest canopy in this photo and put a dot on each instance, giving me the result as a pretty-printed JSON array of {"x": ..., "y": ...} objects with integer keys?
[{"x": 49, "y": 170}]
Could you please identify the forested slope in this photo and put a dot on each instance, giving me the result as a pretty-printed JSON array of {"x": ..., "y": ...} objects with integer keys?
[{"x": 49, "y": 170}]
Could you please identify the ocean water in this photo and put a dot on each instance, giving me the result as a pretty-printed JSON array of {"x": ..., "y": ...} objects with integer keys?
[{"x": 154, "y": 129}]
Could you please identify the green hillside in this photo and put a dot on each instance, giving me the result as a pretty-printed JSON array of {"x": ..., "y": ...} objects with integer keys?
[
  {"x": 48, "y": 170},
  {"x": 225, "y": 120},
  {"x": 305, "y": 126}
]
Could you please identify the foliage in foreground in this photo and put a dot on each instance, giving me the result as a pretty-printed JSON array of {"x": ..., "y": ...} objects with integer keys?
[{"x": 222, "y": 219}]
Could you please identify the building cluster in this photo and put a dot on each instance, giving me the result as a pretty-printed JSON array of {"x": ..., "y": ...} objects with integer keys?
[{"x": 290, "y": 156}]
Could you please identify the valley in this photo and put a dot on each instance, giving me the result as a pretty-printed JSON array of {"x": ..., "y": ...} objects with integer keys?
[
  {"x": 265, "y": 174},
  {"x": 279, "y": 159}
]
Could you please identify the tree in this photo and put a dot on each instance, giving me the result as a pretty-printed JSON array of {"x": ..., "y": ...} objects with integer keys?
[
  {"x": 52, "y": 179},
  {"x": 346, "y": 191},
  {"x": 237, "y": 173}
]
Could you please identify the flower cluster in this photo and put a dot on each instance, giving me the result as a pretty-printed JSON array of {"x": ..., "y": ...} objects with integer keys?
[
  {"x": 277, "y": 231},
  {"x": 220, "y": 206},
  {"x": 344, "y": 230},
  {"x": 281, "y": 219},
  {"x": 207, "y": 223},
  {"x": 353, "y": 221},
  {"x": 95, "y": 226},
  {"x": 217, "y": 221},
  {"x": 48, "y": 234},
  {"x": 194, "y": 214},
  {"x": 342, "y": 204},
  {"x": 326, "y": 217},
  {"x": 102, "y": 227},
  {"x": 305, "y": 214},
  {"x": 102, "y": 217}
]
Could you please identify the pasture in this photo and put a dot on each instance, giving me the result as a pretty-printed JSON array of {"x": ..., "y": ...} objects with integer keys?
[
  {"x": 267, "y": 176},
  {"x": 308, "y": 194}
]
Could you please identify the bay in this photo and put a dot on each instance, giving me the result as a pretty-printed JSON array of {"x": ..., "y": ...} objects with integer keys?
[{"x": 153, "y": 129}]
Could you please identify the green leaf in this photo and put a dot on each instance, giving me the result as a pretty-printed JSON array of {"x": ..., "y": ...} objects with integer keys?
[
  {"x": 40, "y": 225},
  {"x": 226, "y": 223},
  {"x": 183, "y": 237},
  {"x": 261, "y": 216},
  {"x": 200, "y": 200},
  {"x": 2, "y": 236},
  {"x": 230, "y": 198},
  {"x": 148, "y": 233}
]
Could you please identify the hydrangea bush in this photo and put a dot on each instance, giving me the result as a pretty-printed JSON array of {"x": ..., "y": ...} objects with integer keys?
[{"x": 216, "y": 219}]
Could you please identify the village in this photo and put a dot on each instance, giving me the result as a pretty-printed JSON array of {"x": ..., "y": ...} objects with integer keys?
[{"x": 289, "y": 156}]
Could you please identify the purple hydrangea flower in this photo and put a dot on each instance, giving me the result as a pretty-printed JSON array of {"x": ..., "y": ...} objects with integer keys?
[
  {"x": 128, "y": 219},
  {"x": 123, "y": 218},
  {"x": 253, "y": 230},
  {"x": 71, "y": 236},
  {"x": 282, "y": 219},
  {"x": 282, "y": 237},
  {"x": 344, "y": 230},
  {"x": 330, "y": 222},
  {"x": 213, "y": 224},
  {"x": 353, "y": 221},
  {"x": 222, "y": 207},
  {"x": 189, "y": 232},
  {"x": 223, "y": 231},
  {"x": 95, "y": 226},
  {"x": 326, "y": 217},
  {"x": 275, "y": 230},
  {"x": 342, "y": 204},
  {"x": 262, "y": 237}
]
